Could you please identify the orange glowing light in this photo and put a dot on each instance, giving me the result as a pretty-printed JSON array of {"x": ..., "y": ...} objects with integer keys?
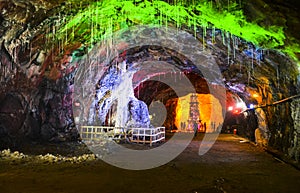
[
  {"x": 208, "y": 106},
  {"x": 236, "y": 111},
  {"x": 255, "y": 95}
]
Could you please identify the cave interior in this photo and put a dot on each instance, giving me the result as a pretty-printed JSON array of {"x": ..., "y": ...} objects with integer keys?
[{"x": 61, "y": 67}]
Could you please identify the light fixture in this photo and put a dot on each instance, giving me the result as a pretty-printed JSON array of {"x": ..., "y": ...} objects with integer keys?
[
  {"x": 239, "y": 105},
  {"x": 236, "y": 111},
  {"x": 77, "y": 104},
  {"x": 255, "y": 95}
]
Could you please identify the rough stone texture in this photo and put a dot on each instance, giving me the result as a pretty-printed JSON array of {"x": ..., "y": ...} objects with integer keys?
[
  {"x": 262, "y": 132},
  {"x": 139, "y": 114},
  {"x": 294, "y": 150}
]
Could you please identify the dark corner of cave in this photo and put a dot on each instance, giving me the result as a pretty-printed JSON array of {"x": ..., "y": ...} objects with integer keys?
[{"x": 198, "y": 96}]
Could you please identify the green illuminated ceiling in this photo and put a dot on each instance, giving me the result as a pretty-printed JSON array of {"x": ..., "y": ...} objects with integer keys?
[{"x": 92, "y": 23}]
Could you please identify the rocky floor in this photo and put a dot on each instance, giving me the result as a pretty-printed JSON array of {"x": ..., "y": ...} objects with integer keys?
[{"x": 231, "y": 166}]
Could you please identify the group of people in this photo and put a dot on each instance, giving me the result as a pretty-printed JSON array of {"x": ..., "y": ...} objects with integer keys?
[
  {"x": 199, "y": 127},
  {"x": 182, "y": 125},
  {"x": 196, "y": 126}
]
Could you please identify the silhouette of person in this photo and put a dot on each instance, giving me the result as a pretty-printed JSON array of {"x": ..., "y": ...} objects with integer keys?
[{"x": 195, "y": 126}]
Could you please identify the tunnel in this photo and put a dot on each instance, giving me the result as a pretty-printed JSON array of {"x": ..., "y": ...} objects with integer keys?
[{"x": 231, "y": 67}]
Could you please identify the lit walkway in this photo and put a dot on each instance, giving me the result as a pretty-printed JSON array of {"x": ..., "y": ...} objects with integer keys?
[{"x": 230, "y": 166}]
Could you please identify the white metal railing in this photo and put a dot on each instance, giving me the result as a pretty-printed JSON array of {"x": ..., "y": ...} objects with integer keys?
[
  {"x": 148, "y": 135},
  {"x": 95, "y": 133},
  {"x": 135, "y": 135}
]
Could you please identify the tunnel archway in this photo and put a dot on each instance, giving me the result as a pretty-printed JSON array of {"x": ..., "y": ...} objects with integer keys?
[{"x": 147, "y": 85}]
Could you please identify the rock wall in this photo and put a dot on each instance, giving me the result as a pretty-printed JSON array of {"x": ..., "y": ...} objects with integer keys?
[
  {"x": 37, "y": 114},
  {"x": 294, "y": 150}
]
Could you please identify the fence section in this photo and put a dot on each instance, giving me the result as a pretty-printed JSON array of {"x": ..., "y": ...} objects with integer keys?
[
  {"x": 148, "y": 135},
  {"x": 134, "y": 135}
]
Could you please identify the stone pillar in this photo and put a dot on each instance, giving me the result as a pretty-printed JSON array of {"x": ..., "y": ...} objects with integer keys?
[
  {"x": 294, "y": 150},
  {"x": 261, "y": 133}
]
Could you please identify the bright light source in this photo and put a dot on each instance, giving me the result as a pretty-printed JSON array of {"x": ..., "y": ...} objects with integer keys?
[
  {"x": 255, "y": 95},
  {"x": 239, "y": 105},
  {"x": 77, "y": 104},
  {"x": 251, "y": 106},
  {"x": 77, "y": 120},
  {"x": 230, "y": 108}
]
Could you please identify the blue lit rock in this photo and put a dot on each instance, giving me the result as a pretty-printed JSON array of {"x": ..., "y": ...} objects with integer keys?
[{"x": 115, "y": 87}]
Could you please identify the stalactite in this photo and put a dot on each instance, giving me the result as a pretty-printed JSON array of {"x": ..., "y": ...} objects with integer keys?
[
  {"x": 195, "y": 27},
  {"x": 213, "y": 34},
  {"x": 252, "y": 60},
  {"x": 278, "y": 78},
  {"x": 233, "y": 45},
  {"x": 228, "y": 48},
  {"x": 203, "y": 36},
  {"x": 223, "y": 37},
  {"x": 175, "y": 77}
]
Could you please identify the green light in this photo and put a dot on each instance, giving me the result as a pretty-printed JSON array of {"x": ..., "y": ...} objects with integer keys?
[{"x": 100, "y": 19}]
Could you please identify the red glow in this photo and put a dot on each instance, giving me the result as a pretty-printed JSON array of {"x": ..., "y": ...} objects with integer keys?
[{"x": 236, "y": 111}]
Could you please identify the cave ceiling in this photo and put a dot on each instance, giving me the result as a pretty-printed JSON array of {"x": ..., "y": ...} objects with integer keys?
[{"x": 255, "y": 43}]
